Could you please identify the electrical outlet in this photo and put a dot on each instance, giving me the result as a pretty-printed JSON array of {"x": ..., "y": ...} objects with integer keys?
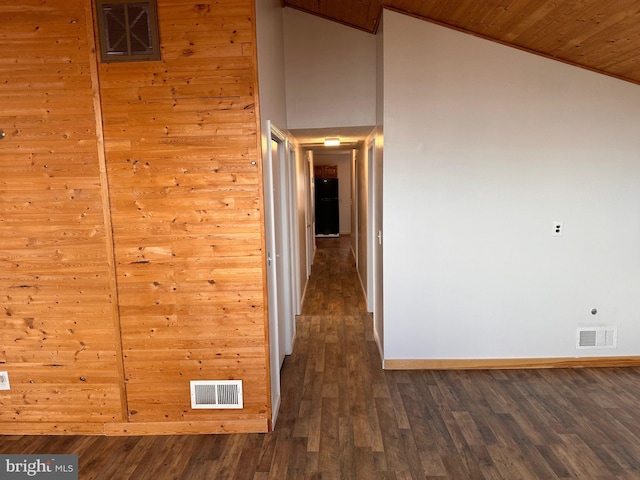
[
  {"x": 4, "y": 381},
  {"x": 558, "y": 228}
]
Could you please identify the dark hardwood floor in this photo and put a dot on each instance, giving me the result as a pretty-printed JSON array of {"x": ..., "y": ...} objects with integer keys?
[{"x": 343, "y": 417}]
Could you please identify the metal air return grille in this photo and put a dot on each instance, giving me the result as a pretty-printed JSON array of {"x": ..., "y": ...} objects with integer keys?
[
  {"x": 597, "y": 337},
  {"x": 216, "y": 393}
]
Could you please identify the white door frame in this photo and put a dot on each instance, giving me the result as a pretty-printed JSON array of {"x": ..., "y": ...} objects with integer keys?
[
  {"x": 290, "y": 203},
  {"x": 271, "y": 272},
  {"x": 273, "y": 304},
  {"x": 354, "y": 205},
  {"x": 311, "y": 212},
  {"x": 378, "y": 248},
  {"x": 279, "y": 223},
  {"x": 371, "y": 225}
]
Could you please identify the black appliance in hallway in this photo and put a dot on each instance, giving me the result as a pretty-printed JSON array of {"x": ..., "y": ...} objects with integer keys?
[{"x": 327, "y": 209}]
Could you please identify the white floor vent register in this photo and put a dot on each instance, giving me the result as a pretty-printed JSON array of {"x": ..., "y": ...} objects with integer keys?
[
  {"x": 216, "y": 393},
  {"x": 597, "y": 337}
]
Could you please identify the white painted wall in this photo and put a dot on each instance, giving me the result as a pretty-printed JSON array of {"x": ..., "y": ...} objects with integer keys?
[
  {"x": 343, "y": 161},
  {"x": 270, "y": 37},
  {"x": 271, "y": 70},
  {"x": 330, "y": 73},
  {"x": 485, "y": 146}
]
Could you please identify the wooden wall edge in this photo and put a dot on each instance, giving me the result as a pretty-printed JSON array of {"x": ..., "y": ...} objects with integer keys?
[
  {"x": 260, "y": 425},
  {"x": 48, "y": 428},
  {"x": 512, "y": 363},
  {"x": 129, "y": 429}
]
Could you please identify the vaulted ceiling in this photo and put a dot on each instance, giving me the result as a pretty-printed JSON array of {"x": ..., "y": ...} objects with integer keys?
[{"x": 600, "y": 35}]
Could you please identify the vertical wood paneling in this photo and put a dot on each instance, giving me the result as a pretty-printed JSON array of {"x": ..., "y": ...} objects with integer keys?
[
  {"x": 184, "y": 175},
  {"x": 57, "y": 339},
  {"x": 105, "y": 194},
  {"x": 131, "y": 236}
]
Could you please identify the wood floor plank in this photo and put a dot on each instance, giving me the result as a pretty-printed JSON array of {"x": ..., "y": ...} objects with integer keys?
[
  {"x": 329, "y": 436},
  {"x": 297, "y": 464}
]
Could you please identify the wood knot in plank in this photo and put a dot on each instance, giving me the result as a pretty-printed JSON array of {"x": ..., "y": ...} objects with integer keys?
[{"x": 203, "y": 8}]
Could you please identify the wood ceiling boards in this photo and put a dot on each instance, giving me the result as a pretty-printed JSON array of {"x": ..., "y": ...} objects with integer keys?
[{"x": 603, "y": 36}]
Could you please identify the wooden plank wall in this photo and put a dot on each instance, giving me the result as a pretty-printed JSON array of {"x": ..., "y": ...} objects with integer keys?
[
  {"x": 58, "y": 341},
  {"x": 181, "y": 191}
]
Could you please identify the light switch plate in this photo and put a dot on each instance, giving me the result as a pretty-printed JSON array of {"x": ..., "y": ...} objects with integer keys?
[{"x": 4, "y": 381}]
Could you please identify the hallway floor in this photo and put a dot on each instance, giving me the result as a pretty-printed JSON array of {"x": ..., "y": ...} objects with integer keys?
[
  {"x": 342, "y": 417},
  {"x": 334, "y": 287}
]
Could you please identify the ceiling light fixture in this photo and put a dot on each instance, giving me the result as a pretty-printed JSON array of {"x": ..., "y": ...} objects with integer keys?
[{"x": 331, "y": 142}]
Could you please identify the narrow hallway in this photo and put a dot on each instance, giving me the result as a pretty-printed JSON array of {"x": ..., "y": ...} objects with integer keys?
[
  {"x": 334, "y": 427},
  {"x": 334, "y": 287}
]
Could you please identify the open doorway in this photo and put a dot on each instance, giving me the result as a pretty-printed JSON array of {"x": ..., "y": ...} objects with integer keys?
[
  {"x": 292, "y": 252},
  {"x": 348, "y": 162},
  {"x": 333, "y": 192}
]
